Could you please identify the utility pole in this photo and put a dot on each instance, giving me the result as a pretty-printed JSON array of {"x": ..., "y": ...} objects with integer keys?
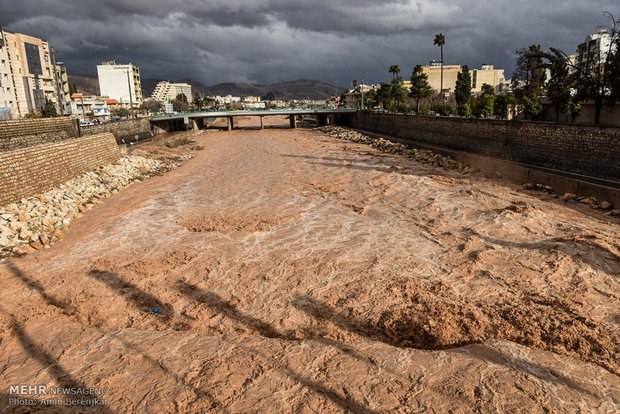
[
  {"x": 129, "y": 86},
  {"x": 60, "y": 107},
  {"x": 362, "y": 94}
]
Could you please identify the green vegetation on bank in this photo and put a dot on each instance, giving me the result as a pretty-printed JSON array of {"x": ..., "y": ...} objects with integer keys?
[{"x": 550, "y": 77}]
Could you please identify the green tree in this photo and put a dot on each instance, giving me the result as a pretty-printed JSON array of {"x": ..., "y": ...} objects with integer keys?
[
  {"x": 440, "y": 40},
  {"x": 198, "y": 103},
  {"x": 597, "y": 79},
  {"x": 482, "y": 105},
  {"x": 181, "y": 97},
  {"x": 398, "y": 95},
  {"x": 531, "y": 106},
  {"x": 384, "y": 95},
  {"x": 560, "y": 81},
  {"x": 394, "y": 70},
  {"x": 462, "y": 90},
  {"x": 487, "y": 89},
  {"x": 354, "y": 84},
  {"x": 529, "y": 75},
  {"x": 420, "y": 88},
  {"x": 463, "y": 110},
  {"x": 49, "y": 109},
  {"x": 371, "y": 99},
  {"x": 500, "y": 106}
]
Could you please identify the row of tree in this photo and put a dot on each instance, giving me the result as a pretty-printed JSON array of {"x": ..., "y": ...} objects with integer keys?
[{"x": 567, "y": 87}]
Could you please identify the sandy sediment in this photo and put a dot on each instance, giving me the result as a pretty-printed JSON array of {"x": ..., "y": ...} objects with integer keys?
[{"x": 295, "y": 272}]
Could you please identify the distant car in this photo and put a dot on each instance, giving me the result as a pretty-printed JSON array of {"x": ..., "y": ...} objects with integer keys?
[
  {"x": 115, "y": 119},
  {"x": 84, "y": 123}
]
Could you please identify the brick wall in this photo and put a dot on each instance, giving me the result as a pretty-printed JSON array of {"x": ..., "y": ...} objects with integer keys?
[
  {"x": 124, "y": 131},
  {"x": 586, "y": 150},
  {"x": 33, "y": 170},
  {"x": 26, "y": 132}
]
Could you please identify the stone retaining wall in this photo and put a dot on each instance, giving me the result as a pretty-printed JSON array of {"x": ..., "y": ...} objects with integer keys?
[
  {"x": 30, "y": 171},
  {"x": 587, "y": 150},
  {"x": 21, "y": 133},
  {"x": 124, "y": 131}
]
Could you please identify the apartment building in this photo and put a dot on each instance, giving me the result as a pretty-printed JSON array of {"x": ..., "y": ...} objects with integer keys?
[
  {"x": 594, "y": 50},
  {"x": 8, "y": 101},
  {"x": 27, "y": 74},
  {"x": 120, "y": 82},
  {"x": 167, "y": 91}
]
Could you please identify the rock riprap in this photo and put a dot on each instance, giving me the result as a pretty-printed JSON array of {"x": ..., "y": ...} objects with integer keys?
[
  {"x": 438, "y": 160},
  {"x": 36, "y": 222},
  {"x": 387, "y": 146}
]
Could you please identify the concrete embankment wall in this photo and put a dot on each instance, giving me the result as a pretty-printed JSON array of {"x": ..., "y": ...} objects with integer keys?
[
  {"x": 35, "y": 169},
  {"x": 585, "y": 150},
  {"x": 584, "y": 160},
  {"x": 23, "y": 133},
  {"x": 126, "y": 131}
]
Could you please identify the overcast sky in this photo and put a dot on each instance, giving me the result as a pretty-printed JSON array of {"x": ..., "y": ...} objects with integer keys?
[{"x": 270, "y": 41}]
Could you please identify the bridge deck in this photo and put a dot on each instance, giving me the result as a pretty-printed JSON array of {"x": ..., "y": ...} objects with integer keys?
[{"x": 218, "y": 114}]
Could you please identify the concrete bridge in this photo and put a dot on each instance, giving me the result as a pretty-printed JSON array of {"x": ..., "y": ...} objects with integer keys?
[{"x": 197, "y": 120}]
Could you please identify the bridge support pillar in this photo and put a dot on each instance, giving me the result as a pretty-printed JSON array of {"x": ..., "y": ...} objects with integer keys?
[
  {"x": 195, "y": 125},
  {"x": 262, "y": 125},
  {"x": 293, "y": 119},
  {"x": 230, "y": 123}
]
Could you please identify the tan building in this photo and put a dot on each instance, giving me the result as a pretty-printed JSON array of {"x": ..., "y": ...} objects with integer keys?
[
  {"x": 167, "y": 91},
  {"x": 30, "y": 77},
  {"x": 486, "y": 74},
  {"x": 8, "y": 100}
]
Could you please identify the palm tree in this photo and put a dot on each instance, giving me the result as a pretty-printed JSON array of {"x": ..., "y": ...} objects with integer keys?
[
  {"x": 440, "y": 40},
  {"x": 354, "y": 84},
  {"x": 394, "y": 70}
]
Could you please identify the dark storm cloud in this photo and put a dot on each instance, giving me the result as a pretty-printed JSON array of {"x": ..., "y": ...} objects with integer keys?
[{"x": 276, "y": 40}]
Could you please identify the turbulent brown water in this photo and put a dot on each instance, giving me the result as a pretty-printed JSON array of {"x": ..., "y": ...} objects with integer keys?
[{"x": 294, "y": 272}]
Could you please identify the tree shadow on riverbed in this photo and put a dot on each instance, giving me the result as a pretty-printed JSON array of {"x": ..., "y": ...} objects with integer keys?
[
  {"x": 143, "y": 301},
  {"x": 58, "y": 374},
  {"x": 36, "y": 286}
]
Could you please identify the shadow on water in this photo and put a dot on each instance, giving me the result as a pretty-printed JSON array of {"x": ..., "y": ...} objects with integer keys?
[
  {"x": 345, "y": 403},
  {"x": 213, "y": 404},
  {"x": 143, "y": 301},
  {"x": 219, "y": 305},
  {"x": 36, "y": 286},
  {"x": 58, "y": 374}
]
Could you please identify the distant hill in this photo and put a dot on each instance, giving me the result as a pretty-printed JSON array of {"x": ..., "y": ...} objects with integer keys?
[
  {"x": 298, "y": 89},
  {"x": 86, "y": 83}
]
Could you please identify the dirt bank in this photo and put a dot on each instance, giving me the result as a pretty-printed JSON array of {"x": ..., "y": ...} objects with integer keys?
[{"x": 295, "y": 272}]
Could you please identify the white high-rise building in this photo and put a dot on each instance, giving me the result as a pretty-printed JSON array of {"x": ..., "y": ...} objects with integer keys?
[
  {"x": 594, "y": 50},
  {"x": 120, "y": 82},
  {"x": 167, "y": 91}
]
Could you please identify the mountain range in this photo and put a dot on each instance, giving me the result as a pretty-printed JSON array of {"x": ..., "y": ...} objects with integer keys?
[{"x": 297, "y": 89}]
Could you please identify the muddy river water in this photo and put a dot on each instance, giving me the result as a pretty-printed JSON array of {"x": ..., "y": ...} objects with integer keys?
[{"x": 290, "y": 271}]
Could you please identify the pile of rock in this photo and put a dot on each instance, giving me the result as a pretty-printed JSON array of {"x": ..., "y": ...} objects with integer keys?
[
  {"x": 571, "y": 198},
  {"x": 384, "y": 145},
  {"x": 36, "y": 222}
]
